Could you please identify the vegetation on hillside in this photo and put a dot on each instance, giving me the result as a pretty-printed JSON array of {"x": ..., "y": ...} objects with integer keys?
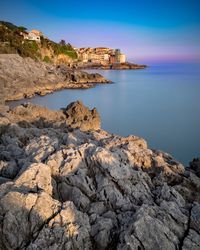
[
  {"x": 9, "y": 25},
  {"x": 64, "y": 49},
  {"x": 46, "y": 59},
  {"x": 12, "y": 41},
  {"x": 59, "y": 48}
]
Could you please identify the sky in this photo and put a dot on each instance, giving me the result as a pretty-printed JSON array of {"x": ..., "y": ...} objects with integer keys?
[{"x": 145, "y": 30}]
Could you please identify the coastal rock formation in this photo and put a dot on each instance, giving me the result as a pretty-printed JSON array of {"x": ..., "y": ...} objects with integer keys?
[
  {"x": 23, "y": 77},
  {"x": 128, "y": 66},
  {"x": 75, "y": 115},
  {"x": 79, "y": 116},
  {"x": 114, "y": 66},
  {"x": 63, "y": 188}
]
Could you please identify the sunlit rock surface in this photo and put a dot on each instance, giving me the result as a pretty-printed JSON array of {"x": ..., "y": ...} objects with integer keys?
[{"x": 65, "y": 188}]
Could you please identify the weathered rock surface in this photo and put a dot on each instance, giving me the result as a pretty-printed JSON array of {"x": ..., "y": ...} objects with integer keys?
[
  {"x": 63, "y": 188},
  {"x": 23, "y": 77},
  {"x": 79, "y": 116},
  {"x": 75, "y": 115}
]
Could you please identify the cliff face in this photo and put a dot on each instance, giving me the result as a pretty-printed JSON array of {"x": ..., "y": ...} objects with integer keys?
[
  {"x": 62, "y": 188},
  {"x": 23, "y": 77}
]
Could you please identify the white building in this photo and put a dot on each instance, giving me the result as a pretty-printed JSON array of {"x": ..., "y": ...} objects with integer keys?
[
  {"x": 84, "y": 57},
  {"x": 33, "y": 37},
  {"x": 106, "y": 57}
]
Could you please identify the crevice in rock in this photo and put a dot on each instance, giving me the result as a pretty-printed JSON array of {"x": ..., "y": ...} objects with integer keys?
[
  {"x": 34, "y": 238},
  {"x": 141, "y": 244},
  {"x": 186, "y": 233},
  {"x": 114, "y": 239},
  {"x": 91, "y": 173}
]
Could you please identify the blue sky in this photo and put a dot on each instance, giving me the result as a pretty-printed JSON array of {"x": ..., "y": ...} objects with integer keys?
[{"x": 146, "y": 30}]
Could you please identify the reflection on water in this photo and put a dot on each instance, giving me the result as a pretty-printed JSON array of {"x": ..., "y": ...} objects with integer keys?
[{"x": 160, "y": 104}]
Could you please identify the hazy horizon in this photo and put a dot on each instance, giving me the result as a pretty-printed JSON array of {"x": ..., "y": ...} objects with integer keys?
[{"x": 145, "y": 32}]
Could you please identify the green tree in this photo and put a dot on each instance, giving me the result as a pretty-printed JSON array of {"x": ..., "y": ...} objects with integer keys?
[
  {"x": 21, "y": 28},
  {"x": 62, "y": 42}
]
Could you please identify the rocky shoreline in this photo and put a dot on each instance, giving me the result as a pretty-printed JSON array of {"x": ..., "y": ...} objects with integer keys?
[
  {"x": 24, "y": 78},
  {"x": 115, "y": 66},
  {"x": 68, "y": 184}
]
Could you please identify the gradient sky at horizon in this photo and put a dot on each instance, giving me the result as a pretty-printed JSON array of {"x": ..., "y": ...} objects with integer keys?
[{"x": 146, "y": 30}]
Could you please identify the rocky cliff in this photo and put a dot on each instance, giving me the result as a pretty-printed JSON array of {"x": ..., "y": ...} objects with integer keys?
[
  {"x": 23, "y": 77},
  {"x": 65, "y": 188}
]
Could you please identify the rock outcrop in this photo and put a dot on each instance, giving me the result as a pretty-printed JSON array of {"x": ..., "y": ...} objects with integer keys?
[
  {"x": 128, "y": 65},
  {"x": 63, "y": 188},
  {"x": 75, "y": 115},
  {"x": 114, "y": 66},
  {"x": 79, "y": 116},
  {"x": 23, "y": 77}
]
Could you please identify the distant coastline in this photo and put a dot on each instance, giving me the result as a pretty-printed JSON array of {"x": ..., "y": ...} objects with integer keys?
[
  {"x": 36, "y": 45},
  {"x": 114, "y": 66},
  {"x": 41, "y": 66}
]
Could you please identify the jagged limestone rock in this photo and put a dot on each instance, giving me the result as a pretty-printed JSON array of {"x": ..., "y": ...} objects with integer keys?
[{"x": 63, "y": 188}]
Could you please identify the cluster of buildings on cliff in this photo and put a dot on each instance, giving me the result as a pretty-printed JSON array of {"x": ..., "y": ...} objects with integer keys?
[{"x": 100, "y": 55}]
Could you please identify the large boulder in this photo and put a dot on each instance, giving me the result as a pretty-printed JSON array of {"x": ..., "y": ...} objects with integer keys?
[{"x": 79, "y": 116}]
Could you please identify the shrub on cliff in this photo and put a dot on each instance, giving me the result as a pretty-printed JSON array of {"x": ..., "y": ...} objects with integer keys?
[
  {"x": 22, "y": 28},
  {"x": 47, "y": 59},
  {"x": 8, "y": 25},
  {"x": 29, "y": 49}
]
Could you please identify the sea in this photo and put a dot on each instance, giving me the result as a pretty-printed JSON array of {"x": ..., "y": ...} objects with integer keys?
[{"x": 160, "y": 104}]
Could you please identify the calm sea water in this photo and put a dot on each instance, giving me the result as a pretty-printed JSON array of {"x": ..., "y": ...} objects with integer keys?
[{"x": 160, "y": 104}]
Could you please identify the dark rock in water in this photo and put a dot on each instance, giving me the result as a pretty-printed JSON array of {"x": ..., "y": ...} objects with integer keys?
[{"x": 63, "y": 188}]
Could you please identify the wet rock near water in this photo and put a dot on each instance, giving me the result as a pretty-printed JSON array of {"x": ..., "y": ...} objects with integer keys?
[{"x": 62, "y": 187}]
